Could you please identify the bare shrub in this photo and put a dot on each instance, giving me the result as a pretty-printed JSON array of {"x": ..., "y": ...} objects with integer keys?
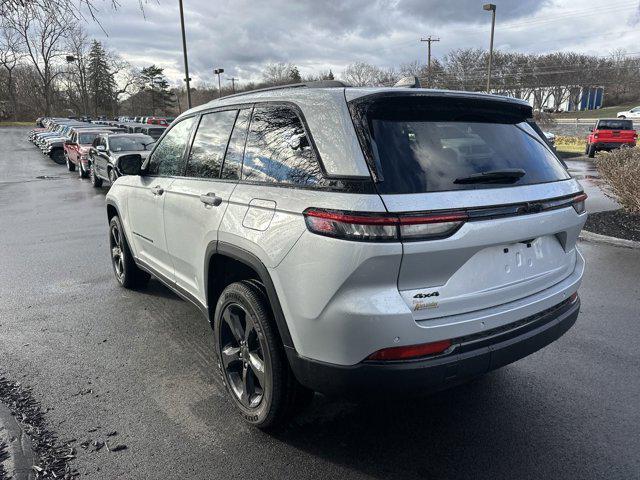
[{"x": 621, "y": 170}]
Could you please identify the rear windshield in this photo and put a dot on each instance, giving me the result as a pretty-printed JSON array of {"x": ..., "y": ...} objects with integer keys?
[
  {"x": 422, "y": 144},
  {"x": 132, "y": 143},
  {"x": 615, "y": 125},
  {"x": 87, "y": 138}
]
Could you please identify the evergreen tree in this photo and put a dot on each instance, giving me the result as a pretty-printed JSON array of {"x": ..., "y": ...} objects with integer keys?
[
  {"x": 294, "y": 74},
  {"x": 157, "y": 87},
  {"x": 101, "y": 84}
]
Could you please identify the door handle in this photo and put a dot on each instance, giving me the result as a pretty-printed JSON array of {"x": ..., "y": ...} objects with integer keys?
[
  {"x": 157, "y": 190},
  {"x": 211, "y": 199}
]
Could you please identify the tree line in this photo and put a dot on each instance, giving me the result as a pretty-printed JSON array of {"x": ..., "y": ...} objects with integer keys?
[{"x": 50, "y": 66}]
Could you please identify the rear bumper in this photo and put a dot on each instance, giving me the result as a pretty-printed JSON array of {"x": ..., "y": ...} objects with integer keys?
[
  {"x": 612, "y": 145},
  {"x": 474, "y": 355}
]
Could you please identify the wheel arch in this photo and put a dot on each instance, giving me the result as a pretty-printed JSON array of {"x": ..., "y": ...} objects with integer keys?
[{"x": 220, "y": 257}]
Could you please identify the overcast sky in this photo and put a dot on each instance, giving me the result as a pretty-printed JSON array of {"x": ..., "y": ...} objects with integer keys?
[{"x": 242, "y": 35}]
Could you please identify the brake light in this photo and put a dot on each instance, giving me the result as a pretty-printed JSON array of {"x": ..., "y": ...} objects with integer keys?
[
  {"x": 411, "y": 351},
  {"x": 579, "y": 203},
  {"x": 595, "y": 135},
  {"x": 382, "y": 227}
]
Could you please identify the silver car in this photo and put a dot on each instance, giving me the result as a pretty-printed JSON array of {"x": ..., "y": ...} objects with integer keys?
[{"x": 355, "y": 241}]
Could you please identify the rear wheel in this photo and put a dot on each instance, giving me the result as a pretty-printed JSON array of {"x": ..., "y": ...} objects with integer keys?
[
  {"x": 591, "y": 151},
  {"x": 127, "y": 272},
  {"x": 251, "y": 357},
  {"x": 95, "y": 181}
]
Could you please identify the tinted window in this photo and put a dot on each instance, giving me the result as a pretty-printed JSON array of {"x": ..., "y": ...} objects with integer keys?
[
  {"x": 615, "y": 125},
  {"x": 130, "y": 143},
  {"x": 235, "y": 151},
  {"x": 168, "y": 157},
  {"x": 278, "y": 149},
  {"x": 85, "y": 138},
  {"x": 209, "y": 144},
  {"x": 422, "y": 146}
]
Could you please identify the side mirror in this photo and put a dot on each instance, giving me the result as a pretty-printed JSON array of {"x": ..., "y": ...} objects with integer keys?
[
  {"x": 101, "y": 148},
  {"x": 130, "y": 164}
]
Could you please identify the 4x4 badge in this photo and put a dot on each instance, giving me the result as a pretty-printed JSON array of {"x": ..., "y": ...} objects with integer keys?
[{"x": 426, "y": 295}]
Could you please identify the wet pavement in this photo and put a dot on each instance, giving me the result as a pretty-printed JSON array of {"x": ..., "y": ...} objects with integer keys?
[
  {"x": 583, "y": 169},
  {"x": 100, "y": 359}
]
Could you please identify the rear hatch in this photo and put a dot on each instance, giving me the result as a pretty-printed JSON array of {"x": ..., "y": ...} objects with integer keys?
[
  {"x": 615, "y": 131},
  {"x": 505, "y": 225}
]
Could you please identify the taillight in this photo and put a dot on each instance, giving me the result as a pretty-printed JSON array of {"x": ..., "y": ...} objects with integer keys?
[
  {"x": 411, "y": 351},
  {"x": 595, "y": 135},
  {"x": 372, "y": 227},
  {"x": 579, "y": 203}
]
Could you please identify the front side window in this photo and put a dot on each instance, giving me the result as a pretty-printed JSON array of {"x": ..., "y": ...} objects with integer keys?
[
  {"x": 233, "y": 159},
  {"x": 209, "y": 144},
  {"x": 168, "y": 157},
  {"x": 278, "y": 149}
]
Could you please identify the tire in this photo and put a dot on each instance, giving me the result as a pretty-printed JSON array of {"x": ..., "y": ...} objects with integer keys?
[
  {"x": 58, "y": 157},
  {"x": 251, "y": 358},
  {"x": 125, "y": 269},
  {"x": 113, "y": 176},
  {"x": 95, "y": 180},
  {"x": 82, "y": 173},
  {"x": 591, "y": 151},
  {"x": 622, "y": 116},
  {"x": 70, "y": 166}
]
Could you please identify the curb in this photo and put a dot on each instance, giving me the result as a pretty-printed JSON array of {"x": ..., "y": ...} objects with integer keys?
[{"x": 605, "y": 239}]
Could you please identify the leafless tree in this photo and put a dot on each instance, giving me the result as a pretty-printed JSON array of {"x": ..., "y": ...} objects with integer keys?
[
  {"x": 42, "y": 35},
  {"x": 362, "y": 74},
  {"x": 10, "y": 56}
]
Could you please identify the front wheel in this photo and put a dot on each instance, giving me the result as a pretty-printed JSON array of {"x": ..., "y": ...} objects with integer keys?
[
  {"x": 621, "y": 116},
  {"x": 70, "y": 165},
  {"x": 113, "y": 176},
  {"x": 82, "y": 173},
  {"x": 591, "y": 151},
  {"x": 127, "y": 272},
  {"x": 251, "y": 358}
]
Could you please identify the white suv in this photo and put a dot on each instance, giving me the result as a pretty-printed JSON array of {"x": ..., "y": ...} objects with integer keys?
[{"x": 355, "y": 241}]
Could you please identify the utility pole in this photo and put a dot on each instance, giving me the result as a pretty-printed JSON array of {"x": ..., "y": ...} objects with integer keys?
[
  {"x": 429, "y": 39},
  {"x": 219, "y": 71},
  {"x": 490, "y": 7},
  {"x": 184, "y": 51},
  {"x": 233, "y": 84}
]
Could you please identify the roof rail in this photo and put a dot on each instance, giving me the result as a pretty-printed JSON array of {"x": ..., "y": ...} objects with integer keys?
[{"x": 315, "y": 84}]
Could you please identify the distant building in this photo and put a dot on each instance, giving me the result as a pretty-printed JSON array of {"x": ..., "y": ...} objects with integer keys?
[{"x": 579, "y": 99}]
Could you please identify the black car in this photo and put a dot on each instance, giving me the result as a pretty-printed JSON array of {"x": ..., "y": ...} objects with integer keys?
[
  {"x": 154, "y": 131},
  {"x": 107, "y": 150}
]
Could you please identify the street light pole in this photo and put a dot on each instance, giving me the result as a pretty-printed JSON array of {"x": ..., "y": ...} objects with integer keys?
[
  {"x": 184, "y": 51},
  {"x": 219, "y": 71},
  {"x": 490, "y": 7}
]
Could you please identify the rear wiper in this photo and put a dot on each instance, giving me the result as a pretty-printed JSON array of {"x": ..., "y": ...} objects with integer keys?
[{"x": 508, "y": 175}]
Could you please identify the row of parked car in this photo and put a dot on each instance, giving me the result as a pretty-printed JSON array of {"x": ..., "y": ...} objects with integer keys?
[{"x": 95, "y": 148}]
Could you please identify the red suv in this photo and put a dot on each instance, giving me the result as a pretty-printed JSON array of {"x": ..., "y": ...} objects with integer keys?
[
  {"x": 158, "y": 121},
  {"x": 610, "y": 134},
  {"x": 76, "y": 149}
]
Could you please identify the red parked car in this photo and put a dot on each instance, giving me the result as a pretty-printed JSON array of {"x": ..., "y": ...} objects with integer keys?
[
  {"x": 610, "y": 134},
  {"x": 76, "y": 149},
  {"x": 158, "y": 121}
]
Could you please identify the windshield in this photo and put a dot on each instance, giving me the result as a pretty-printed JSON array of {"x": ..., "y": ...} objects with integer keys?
[
  {"x": 87, "y": 138},
  {"x": 130, "y": 143},
  {"x": 430, "y": 148},
  {"x": 615, "y": 125}
]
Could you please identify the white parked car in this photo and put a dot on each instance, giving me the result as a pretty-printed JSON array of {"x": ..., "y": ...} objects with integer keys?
[
  {"x": 354, "y": 241},
  {"x": 632, "y": 113}
]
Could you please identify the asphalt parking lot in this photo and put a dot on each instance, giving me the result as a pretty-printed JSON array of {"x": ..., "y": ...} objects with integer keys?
[{"x": 140, "y": 363}]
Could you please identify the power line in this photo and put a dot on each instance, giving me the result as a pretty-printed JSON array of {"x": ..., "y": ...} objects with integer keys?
[{"x": 429, "y": 40}]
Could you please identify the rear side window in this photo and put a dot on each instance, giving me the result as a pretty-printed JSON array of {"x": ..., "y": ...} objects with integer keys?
[
  {"x": 210, "y": 143},
  {"x": 233, "y": 159},
  {"x": 278, "y": 149},
  {"x": 424, "y": 145},
  {"x": 168, "y": 157},
  {"x": 615, "y": 125}
]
